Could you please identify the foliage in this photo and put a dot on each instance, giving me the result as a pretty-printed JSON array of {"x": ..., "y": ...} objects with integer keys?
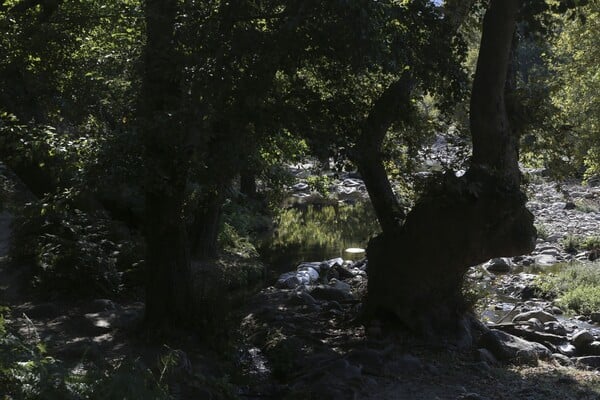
[
  {"x": 571, "y": 243},
  {"x": 231, "y": 241},
  {"x": 575, "y": 243},
  {"x": 576, "y": 287},
  {"x": 73, "y": 253},
  {"x": 561, "y": 105},
  {"x": 66, "y": 61},
  {"x": 588, "y": 206},
  {"x": 28, "y": 372},
  {"x": 581, "y": 299},
  {"x": 319, "y": 183},
  {"x": 56, "y": 156},
  {"x": 542, "y": 231}
]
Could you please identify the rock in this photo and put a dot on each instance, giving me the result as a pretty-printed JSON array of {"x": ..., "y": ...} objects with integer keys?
[
  {"x": 99, "y": 305},
  {"x": 555, "y": 328},
  {"x": 588, "y": 361},
  {"x": 301, "y": 186},
  {"x": 486, "y": 356},
  {"x": 371, "y": 361},
  {"x": 329, "y": 293},
  {"x": 312, "y": 273},
  {"x": 567, "y": 349},
  {"x": 351, "y": 182},
  {"x": 342, "y": 370},
  {"x": 592, "y": 349},
  {"x": 555, "y": 237},
  {"x": 343, "y": 272},
  {"x": 406, "y": 363},
  {"x": 343, "y": 286},
  {"x": 301, "y": 298},
  {"x": 499, "y": 265},
  {"x": 561, "y": 359},
  {"x": 595, "y": 317},
  {"x": 545, "y": 260},
  {"x": 506, "y": 347},
  {"x": 582, "y": 338},
  {"x": 540, "y": 315},
  {"x": 551, "y": 251},
  {"x": 43, "y": 310},
  {"x": 314, "y": 265},
  {"x": 535, "y": 324},
  {"x": 529, "y": 292},
  {"x": 288, "y": 280},
  {"x": 332, "y": 262},
  {"x": 471, "y": 396},
  {"x": 569, "y": 205},
  {"x": 557, "y": 310}
]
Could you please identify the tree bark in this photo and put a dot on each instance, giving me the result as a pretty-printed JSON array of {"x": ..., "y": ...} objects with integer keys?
[
  {"x": 205, "y": 228},
  {"x": 417, "y": 273},
  {"x": 495, "y": 146},
  {"x": 367, "y": 153},
  {"x": 248, "y": 183},
  {"x": 168, "y": 270}
]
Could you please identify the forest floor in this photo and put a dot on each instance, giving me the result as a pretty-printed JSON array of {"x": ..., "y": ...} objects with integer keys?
[{"x": 281, "y": 344}]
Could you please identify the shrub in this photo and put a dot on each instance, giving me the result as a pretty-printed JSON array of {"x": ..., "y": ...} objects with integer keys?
[
  {"x": 576, "y": 287},
  {"x": 542, "y": 231},
  {"x": 572, "y": 243},
  {"x": 28, "y": 372},
  {"x": 319, "y": 183},
  {"x": 582, "y": 299},
  {"x": 71, "y": 252},
  {"x": 586, "y": 206}
]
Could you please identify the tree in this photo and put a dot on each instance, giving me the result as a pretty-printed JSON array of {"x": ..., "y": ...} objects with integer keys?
[
  {"x": 166, "y": 161},
  {"x": 575, "y": 83},
  {"x": 464, "y": 220}
]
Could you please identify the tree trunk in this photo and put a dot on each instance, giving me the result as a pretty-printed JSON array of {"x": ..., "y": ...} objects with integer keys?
[
  {"x": 248, "y": 183},
  {"x": 168, "y": 271},
  {"x": 367, "y": 153},
  {"x": 205, "y": 228},
  {"x": 417, "y": 273}
]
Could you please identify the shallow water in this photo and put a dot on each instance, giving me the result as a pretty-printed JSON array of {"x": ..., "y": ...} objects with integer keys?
[{"x": 316, "y": 233}]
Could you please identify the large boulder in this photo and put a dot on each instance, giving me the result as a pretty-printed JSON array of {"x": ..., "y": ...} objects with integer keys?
[
  {"x": 540, "y": 315},
  {"x": 506, "y": 347},
  {"x": 499, "y": 265}
]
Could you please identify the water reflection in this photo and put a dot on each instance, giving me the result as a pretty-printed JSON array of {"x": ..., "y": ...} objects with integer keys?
[{"x": 317, "y": 232}]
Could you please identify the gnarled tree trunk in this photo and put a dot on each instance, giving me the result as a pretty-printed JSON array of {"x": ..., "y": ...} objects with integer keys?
[{"x": 417, "y": 272}]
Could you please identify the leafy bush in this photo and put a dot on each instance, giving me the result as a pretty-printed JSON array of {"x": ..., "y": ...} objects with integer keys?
[
  {"x": 230, "y": 240},
  {"x": 576, "y": 287},
  {"x": 572, "y": 243},
  {"x": 586, "y": 206},
  {"x": 591, "y": 243},
  {"x": 28, "y": 372},
  {"x": 582, "y": 299},
  {"x": 542, "y": 231},
  {"x": 575, "y": 243},
  {"x": 72, "y": 252},
  {"x": 319, "y": 183}
]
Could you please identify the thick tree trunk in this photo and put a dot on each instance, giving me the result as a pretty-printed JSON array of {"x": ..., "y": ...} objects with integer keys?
[
  {"x": 463, "y": 221},
  {"x": 168, "y": 278},
  {"x": 248, "y": 183},
  {"x": 205, "y": 229},
  {"x": 168, "y": 270}
]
